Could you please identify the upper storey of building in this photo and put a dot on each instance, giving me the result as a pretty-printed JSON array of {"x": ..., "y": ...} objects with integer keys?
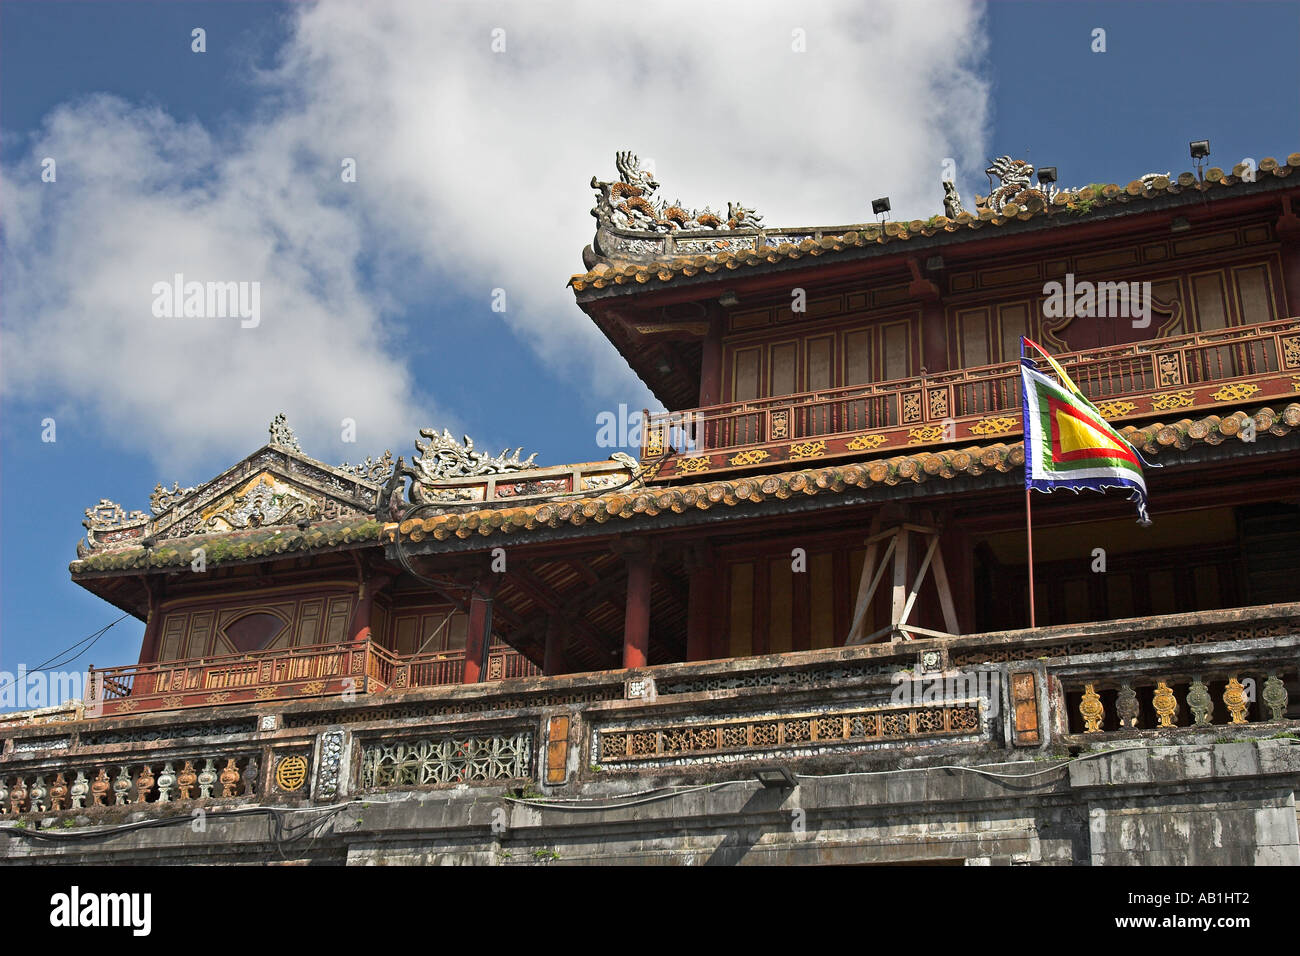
[{"x": 706, "y": 307}]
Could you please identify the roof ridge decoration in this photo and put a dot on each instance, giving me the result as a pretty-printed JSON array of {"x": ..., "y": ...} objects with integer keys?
[
  {"x": 282, "y": 435},
  {"x": 441, "y": 457},
  {"x": 632, "y": 258},
  {"x": 630, "y": 203},
  {"x": 275, "y": 486}
]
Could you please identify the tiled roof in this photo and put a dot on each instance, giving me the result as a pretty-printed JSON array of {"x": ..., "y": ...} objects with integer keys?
[
  {"x": 235, "y": 546},
  {"x": 830, "y": 479},
  {"x": 1068, "y": 206}
]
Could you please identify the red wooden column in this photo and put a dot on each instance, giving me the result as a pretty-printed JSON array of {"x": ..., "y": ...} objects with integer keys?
[
  {"x": 711, "y": 360},
  {"x": 152, "y": 627},
  {"x": 702, "y": 600},
  {"x": 553, "y": 663},
  {"x": 365, "y": 605},
  {"x": 1288, "y": 231},
  {"x": 636, "y": 619},
  {"x": 478, "y": 632}
]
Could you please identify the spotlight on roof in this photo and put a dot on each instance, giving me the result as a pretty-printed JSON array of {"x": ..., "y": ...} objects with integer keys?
[
  {"x": 663, "y": 367},
  {"x": 934, "y": 264},
  {"x": 1047, "y": 174},
  {"x": 775, "y": 778},
  {"x": 1180, "y": 224},
  {"x": 729, "y": 298},
  {"x": 1200, "y": 148},
  {"x": 880, "y": 206}
]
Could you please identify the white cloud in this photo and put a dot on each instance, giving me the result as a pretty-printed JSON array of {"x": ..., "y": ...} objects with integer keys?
[{"x": 472, "y": 172}]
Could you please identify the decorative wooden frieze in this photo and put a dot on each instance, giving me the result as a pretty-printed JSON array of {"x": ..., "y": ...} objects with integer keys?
[
  {"x": 1291, "y": 351},
  {"x": 807, "y": 449},
  {"x": 1235, "y": 392},
  {"x": 1165, "y": 401},
  {"x": 1116, "y": 408},
  {"x": 925, "y": 434},
  {"x": 780, "y": 424},
  {"x": 865, "y": 442},
  {"x": 911, "y": 407},
  {"x": 995, "y": 426},
  {"x": 752, "y": 457},
  {"x": 1169, "y": 371}
]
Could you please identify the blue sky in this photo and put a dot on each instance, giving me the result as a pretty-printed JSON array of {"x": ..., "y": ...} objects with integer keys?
[{"x": 473, "y": 170}]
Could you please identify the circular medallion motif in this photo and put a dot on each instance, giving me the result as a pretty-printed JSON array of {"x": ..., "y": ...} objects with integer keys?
[{"x": 291, "y": 772}]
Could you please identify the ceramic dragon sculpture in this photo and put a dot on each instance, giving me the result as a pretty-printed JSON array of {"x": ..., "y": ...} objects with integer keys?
[{"x": 630, "y": 202}]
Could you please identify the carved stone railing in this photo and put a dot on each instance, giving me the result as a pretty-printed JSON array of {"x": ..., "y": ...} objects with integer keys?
[
  {"x": 971, "y": 697},
  {"x": 54, "y": 785},
  {"x": 1222, "y": 687},
  {"x": 1203, "y": 370}
]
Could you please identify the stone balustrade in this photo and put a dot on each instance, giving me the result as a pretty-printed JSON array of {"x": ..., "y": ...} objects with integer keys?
[{"x": 1005, "y": 695}]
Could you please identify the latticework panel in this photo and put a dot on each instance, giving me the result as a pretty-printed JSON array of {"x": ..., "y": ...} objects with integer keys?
[{"x": 427, "y": 762}]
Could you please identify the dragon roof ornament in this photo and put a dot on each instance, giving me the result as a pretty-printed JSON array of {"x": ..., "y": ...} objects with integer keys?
[
  {"x": 630, "y": 202},
  {"x": 442, "y": 457},
  {"x": 1015, "y": 185}
]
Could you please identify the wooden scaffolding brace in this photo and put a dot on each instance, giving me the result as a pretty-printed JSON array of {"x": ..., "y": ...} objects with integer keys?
[{"x": 896, "y": 542}]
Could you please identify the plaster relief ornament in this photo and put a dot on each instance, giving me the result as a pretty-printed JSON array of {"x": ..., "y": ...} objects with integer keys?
[
  {"x": 163, "y": 498},
  {"x": 631, "y": 202},
  {"x": 282, "y": 435},
  {"x": 374, "y": 470},
  {"x": 264, "y": 500},
  {"x": 442, "y": 457}
]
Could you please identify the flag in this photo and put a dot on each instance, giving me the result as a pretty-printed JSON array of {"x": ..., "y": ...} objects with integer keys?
[{"x": 1069, "y": 444}]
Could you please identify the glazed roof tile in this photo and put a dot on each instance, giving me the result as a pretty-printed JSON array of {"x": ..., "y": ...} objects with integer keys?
[
  {"x": 1079, "y": 205},
  {"x": 831, "y": 479}
]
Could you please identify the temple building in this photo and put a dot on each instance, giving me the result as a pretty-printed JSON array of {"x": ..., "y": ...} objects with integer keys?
[{"x": 798, "y": 617}]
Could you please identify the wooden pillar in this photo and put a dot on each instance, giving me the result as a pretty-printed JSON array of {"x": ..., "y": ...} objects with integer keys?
[
  {"x": 934, "y": 337},
  {"x": 711, "y": 359},
  {"x": 365, "y": 606},
  {"x": 478, "y": 634},
  {"x": 152, "y": 625},
  {"x": 636, "y": 618},
  {"x": 556, "y": 634},
  {"x": 1287, "y": 229},
  {"x": 702, "y": 600}
]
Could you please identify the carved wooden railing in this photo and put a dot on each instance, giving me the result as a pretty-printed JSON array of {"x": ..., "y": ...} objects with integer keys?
[
  {"x": 432, "y": 668},
  {"x": 316, "y": 671},
  {"x": 1202, "y": 370}
]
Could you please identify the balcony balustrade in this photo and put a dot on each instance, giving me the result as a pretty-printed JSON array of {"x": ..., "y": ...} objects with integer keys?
[
  {"x": 1178, "y": 374},
  {"x": 316, "y": 671},
  {"x": 1191, "y": 678}
]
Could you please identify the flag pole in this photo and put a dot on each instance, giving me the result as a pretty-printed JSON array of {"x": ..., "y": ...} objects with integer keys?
[
  {"x": 1029, "y": 519},
  {"x": 1029, "y": 530}
]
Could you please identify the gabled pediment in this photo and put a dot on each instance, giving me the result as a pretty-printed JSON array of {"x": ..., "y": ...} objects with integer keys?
[{"x": 277, "y": 485}]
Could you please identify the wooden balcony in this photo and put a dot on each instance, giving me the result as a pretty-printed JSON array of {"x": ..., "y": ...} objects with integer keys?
[
  {"x": 318, "y": 671},
  {"x": 1171, "y": 376}
]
